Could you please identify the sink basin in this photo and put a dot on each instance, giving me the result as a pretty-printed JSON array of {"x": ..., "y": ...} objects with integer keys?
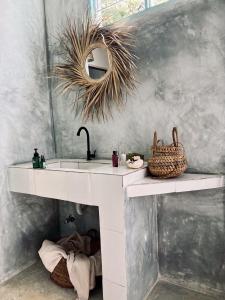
[
  {"x": 78, "y": 164},
  {"x": 90, "y": 165}
]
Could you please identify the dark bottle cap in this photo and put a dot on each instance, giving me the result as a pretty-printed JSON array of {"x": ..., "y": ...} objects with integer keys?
[
  {"x": 35, "y": 152},
  {"x": 114, "y": 152}
]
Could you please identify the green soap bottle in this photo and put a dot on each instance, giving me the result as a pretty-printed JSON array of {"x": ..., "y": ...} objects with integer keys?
[{"x": 36, "y": 159}]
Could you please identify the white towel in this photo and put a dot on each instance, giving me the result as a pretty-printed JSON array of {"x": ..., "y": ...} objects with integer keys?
[
  {"x": 82, "y": 269},
  {"x": 50, "y": 254}
]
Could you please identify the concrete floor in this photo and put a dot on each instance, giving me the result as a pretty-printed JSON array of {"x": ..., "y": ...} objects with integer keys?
[
  {"x": 35, "y": 284},
  {"x": 166, "y": 291}
]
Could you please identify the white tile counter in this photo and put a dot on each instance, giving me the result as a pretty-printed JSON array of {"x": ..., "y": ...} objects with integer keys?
[{"x": 185, "y": 183}]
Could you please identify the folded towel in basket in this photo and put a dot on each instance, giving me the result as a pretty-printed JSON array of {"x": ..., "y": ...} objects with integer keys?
[{"x": 81, "y": 268}]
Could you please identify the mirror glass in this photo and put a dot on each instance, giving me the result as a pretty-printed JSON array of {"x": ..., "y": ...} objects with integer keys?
[{"x": 97, "y": 63}]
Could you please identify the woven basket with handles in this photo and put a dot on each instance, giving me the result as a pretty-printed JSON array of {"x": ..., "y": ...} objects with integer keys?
[
  {"x": 60, "y": 274},
  {"x": 167, "y": 160}
]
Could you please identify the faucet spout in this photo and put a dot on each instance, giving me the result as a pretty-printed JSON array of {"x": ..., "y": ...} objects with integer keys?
[{"x": 89, "y": 154}]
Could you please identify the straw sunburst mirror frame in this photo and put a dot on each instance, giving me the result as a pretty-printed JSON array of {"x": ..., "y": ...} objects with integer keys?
[{"x": 94, "y": 98}]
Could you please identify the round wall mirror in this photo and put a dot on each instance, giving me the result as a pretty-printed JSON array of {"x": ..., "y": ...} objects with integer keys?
[{"x": 97, "y": 62}]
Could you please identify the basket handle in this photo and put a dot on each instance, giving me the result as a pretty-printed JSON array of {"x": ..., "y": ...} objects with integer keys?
[
  {"x": 175, "y": 136},
  {"x": 155, "y": 140}
]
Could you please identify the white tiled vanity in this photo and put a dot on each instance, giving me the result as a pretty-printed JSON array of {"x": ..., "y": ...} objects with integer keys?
[
  {"x": 98, "y": 183},
  {"x": 92, "y": 183}
]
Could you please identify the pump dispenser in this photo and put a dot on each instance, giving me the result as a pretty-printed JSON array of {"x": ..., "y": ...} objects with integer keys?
[{"x": 36, "y": 159}]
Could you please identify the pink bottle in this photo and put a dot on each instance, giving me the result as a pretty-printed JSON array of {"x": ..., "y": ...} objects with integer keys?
[{"x": 115, "y": 159}]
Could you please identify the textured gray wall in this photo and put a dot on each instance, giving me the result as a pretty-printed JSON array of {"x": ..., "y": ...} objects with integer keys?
[
  {"x": 192, "y": 239},
  {"x": 181, "y": 71},
  {"x": 83, "y": 223},
  {"x": 25, "y": 124},
  {"x": 141, "y": 245},
  {"x": 57, "y": 12}
]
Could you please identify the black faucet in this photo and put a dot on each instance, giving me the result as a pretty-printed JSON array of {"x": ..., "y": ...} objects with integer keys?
[{"x": 89, "y": 154}]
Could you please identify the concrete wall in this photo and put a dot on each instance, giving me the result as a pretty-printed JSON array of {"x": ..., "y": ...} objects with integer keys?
[
  {"x": 83, "y": 223},
  {"x": 181, "y": 76},
  {"x": 192, "y": 240},
  {"x": 25, "y": 123},
  {"x": 57, "y": 12}
]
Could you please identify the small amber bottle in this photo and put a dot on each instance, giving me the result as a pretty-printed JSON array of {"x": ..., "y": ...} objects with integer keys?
[{"x": 115, "y": 159}]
